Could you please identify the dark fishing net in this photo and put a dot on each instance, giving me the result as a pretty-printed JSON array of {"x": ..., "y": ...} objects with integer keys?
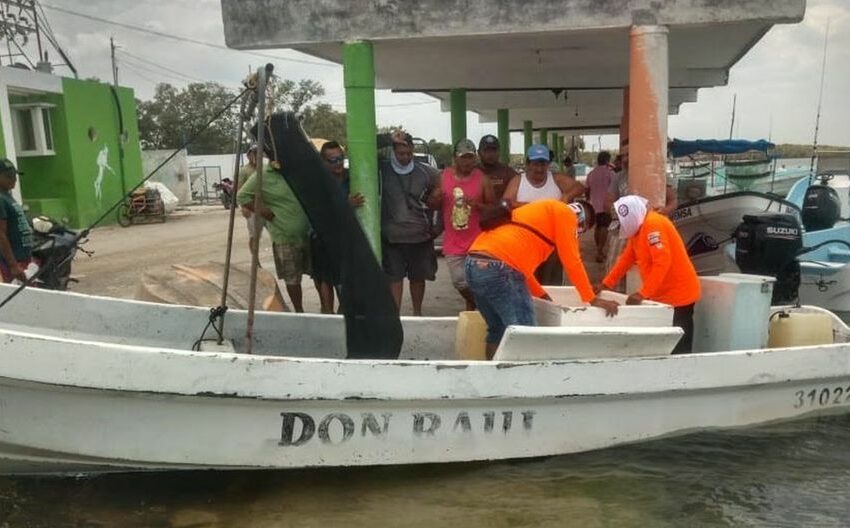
[{"x": 372, "y": 326}]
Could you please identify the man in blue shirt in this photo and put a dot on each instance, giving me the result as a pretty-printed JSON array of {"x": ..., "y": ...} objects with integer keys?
[{"x": 15, "y": 232}]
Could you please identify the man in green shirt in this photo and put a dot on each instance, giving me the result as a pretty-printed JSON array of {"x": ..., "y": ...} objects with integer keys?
[
  {"x": 288, "y": 226},
  {"x": 15, "y": 232}
]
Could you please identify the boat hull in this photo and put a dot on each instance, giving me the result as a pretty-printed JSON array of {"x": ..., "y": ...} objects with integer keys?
[{"x": 77, "y": 407}]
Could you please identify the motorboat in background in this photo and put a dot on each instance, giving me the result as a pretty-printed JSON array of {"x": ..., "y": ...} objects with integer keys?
[{"x": 708, "y": 225}]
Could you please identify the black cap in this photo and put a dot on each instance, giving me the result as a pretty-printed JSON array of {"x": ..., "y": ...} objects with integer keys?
[
  {"x": 488, "y": 141},
  {"x": 7, "y": 166}
]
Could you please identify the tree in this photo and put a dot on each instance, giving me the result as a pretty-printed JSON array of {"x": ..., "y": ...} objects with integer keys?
[
  {"x": 174, "y": 116},
  {"x": 322, "y": 121},
  {"x": 442, "y": 152},
  {"x": 289, "y": 95}
]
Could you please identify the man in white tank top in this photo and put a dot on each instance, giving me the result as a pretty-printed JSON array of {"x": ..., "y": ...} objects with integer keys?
[{"x": 538, "y": 182}]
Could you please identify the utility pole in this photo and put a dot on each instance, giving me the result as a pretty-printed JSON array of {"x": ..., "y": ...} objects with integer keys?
[{"x": 114, "y": 64}]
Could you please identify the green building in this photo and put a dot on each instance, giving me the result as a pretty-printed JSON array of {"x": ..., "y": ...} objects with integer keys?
[{"x": 76, "y": 141}]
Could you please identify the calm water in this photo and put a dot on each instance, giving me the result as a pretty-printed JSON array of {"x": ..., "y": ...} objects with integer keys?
[{"x": 783, "y": 475}]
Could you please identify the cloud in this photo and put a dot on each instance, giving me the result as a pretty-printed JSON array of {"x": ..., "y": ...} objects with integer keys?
[{"x": 776, "y": 83}]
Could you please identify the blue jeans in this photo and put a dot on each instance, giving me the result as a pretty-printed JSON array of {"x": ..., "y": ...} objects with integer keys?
[{"x": 501, "y": 295}]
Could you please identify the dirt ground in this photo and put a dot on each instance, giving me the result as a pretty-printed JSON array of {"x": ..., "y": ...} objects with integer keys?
[{"x": 198, "y": 236}]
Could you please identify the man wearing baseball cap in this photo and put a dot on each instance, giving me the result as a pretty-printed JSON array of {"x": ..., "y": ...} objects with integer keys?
[
  {"x": 667, "y": 273},
  {"x": 15, "y": 231},
  {"x": 498, "y": 174},
  {"x": 463, "y": 191}
]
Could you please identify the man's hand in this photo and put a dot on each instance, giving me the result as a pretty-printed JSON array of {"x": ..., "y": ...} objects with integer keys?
[
  {"x": 356, "y": 200},
  {"x": 546, "y": 297},
  {"x": 18, "y": 272},
  {"x": 246, "y": 213},
  {"x": 634, "y": 298},
  {"x": 599, "y": 287},
  {"x": 399, "y": 136},
  {"x": 611, "y": 307}
]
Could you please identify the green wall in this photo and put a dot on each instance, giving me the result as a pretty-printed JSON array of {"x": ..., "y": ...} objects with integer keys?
[{"x": 85, "y": 124}]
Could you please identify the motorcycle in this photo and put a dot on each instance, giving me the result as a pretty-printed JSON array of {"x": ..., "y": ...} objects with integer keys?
[
  {"x": 54, "y": 248},
  {"x": 225, "y": 189}
]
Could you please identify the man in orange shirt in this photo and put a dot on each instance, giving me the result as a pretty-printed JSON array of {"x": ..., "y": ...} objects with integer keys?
[
  {"x": 501, "y": 262},
  {"x": 667, "y": 274}
]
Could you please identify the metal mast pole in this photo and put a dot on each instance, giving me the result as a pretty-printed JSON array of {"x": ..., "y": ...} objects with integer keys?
[
  {"x": 262, "y": 79},
  {"x": 231, "y": 221}
]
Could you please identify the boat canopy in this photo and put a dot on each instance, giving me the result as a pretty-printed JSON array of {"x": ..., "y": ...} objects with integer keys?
[{"x": 679, "y": 148}]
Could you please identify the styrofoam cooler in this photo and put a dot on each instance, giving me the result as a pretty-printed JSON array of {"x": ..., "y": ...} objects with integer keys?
[{"x": 567, "y": 309}]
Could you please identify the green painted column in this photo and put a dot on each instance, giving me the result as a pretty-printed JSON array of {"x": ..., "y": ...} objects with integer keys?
[
  {"x": 544, "y": 136},
  {"x": 554, "y": 140},
  {"x": 528, "y": 130},
  {"x": 458, "y": 107},
  {"x": 358, "y": 62},
  {"x": 503, "y": 118},
  {"x": 561, "y": 153}
]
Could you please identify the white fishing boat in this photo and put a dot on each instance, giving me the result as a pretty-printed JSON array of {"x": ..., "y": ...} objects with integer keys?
[
  {"x": 707, "y": 225},
  {"x": 93, "y": 385}
]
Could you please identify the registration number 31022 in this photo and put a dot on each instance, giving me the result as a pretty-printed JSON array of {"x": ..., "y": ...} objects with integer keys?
[{"x": 822, "y": 397}]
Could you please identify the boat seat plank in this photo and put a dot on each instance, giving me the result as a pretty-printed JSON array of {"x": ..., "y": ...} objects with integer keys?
[{"x": 526, "y": 343}]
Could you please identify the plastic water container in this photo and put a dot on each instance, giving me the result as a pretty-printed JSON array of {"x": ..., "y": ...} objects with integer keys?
[
  {"x": 800, "y": 329},
  {"x": 470, "y": 336}
]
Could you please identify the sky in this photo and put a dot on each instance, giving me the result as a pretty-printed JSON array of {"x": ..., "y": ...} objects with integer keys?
[{"x": 777, "y": 83}]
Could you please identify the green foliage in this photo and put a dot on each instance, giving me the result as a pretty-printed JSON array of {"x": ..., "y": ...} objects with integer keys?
[
  {"x": 442, "y": 152},
  {"x": 322, "y": 121},
  {"x": 174, "y": 115}
]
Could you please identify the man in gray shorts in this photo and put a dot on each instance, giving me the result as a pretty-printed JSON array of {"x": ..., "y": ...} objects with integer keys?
[{"x": 408, "y": 187}]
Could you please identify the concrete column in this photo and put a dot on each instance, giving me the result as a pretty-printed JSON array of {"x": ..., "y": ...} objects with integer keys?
[
  {"x": 528, "y": 130},
  {"x": 503, "y": 118},
  {"x": 358, "y": 62},
  {"x": 458, "y": 107},
  {"x": 544, "y": 136},
  {"x": 648, "y": 82}
]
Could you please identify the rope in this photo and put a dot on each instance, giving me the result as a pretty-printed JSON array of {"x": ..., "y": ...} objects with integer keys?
[
  {"x": 216, "y": 313},
  {"x": 85, "y": 232}
]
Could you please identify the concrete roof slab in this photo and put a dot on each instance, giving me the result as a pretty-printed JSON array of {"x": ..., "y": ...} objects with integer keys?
[{"x": 292, "y": 23}]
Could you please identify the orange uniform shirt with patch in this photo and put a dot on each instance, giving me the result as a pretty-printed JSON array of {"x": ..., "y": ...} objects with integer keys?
[
  {"x": 666, "y": 270},
  {"x": 524, "y": 251}
]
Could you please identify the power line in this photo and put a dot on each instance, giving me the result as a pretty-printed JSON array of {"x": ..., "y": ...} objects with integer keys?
[
  {"x": 160, "y": 66},
  {"x": 138, "y": 66},
  {"x": 181, "y": 39}
]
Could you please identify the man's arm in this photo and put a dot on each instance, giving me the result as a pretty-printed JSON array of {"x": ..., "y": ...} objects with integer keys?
[
  {"x": 511, "y": 191},
  {"x": 488, "y": 193},
  {"x": 624, "y": 263},
  {"x": 570, "y": 189},
  {"x": 662, "y": 259},
  {"x": 245, "y": 198}
]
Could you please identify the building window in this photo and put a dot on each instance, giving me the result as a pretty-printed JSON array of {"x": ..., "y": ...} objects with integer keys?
[
  {"x": 25, "y": 135},
  {"x": 33, "y": 129}
]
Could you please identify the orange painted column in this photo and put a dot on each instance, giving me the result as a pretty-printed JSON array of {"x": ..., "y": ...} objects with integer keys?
[{"x": 647, "y": 123}]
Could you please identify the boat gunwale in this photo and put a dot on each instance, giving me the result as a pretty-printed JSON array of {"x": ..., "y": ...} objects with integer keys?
[{"x": 245, "y": 376}]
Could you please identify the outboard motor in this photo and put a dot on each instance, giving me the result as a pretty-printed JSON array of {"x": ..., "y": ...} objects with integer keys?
[
  {"x": 768, "y": 244},
  {"x": 821, "y": 207}
]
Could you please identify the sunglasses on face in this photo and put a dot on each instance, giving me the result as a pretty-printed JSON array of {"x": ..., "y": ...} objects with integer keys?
[{"x": 335, "y": 160}]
